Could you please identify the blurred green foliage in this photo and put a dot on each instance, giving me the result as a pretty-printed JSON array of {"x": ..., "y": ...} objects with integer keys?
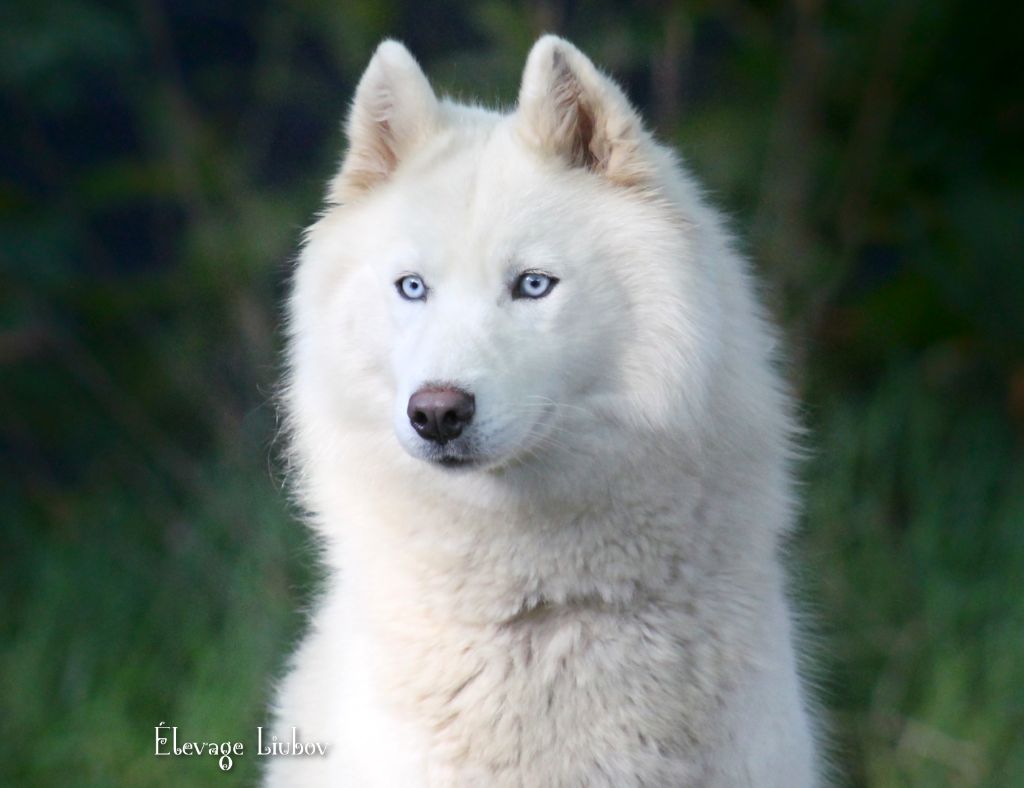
[{"x": 157, "y": 163}]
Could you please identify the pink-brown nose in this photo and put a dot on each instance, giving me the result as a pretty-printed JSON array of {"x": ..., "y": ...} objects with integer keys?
[{"x": 439, "y": 414}]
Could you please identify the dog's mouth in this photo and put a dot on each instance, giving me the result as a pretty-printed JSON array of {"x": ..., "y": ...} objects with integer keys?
[
  {"x": 455, "y": 462},
  {"x": 453, "y": 457},
  {"x": 494, "y": 449}
]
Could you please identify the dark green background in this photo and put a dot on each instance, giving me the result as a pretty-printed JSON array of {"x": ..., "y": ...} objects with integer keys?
[{"x": 157, "y": 164}]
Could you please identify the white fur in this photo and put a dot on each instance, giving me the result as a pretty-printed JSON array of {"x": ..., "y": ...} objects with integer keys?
[{"x": 599, "y": 601}]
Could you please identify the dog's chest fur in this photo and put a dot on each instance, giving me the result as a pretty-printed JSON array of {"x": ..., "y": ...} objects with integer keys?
[
  {"x": 548, "y": 698},
  {"x": 580, "y": 691}
]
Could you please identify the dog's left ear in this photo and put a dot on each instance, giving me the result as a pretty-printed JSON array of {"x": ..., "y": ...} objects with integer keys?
[{"x": 569, "y": 109}]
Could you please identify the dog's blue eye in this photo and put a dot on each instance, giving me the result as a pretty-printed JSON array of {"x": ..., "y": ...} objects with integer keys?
[
  {"x": 411, "y": 288},
  {"x": 533, "y": 285}
]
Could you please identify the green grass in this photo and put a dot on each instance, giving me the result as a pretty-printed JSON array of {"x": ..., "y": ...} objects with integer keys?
[
  {"x": 124, "y": 605},
  {"x": 915, "y": 540},
  {"x": 138, "y": 610}
]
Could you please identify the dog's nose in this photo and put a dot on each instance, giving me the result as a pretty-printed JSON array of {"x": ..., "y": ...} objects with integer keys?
[{"x": 440, "y": 413}]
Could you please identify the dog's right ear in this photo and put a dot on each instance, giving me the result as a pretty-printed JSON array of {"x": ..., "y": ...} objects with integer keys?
[{"x": 394, "y": 109}]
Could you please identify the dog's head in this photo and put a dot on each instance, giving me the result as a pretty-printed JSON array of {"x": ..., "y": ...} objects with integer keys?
[{"x": 498, "y": 288}]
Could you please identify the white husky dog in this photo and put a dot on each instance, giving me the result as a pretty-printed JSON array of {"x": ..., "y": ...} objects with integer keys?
[{"x": 537, "y": 424}]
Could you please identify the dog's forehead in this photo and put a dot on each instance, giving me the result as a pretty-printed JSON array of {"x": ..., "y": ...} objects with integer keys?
[
  {"x": 470, "y": 171},
  {"x": 471, "y": 199}
]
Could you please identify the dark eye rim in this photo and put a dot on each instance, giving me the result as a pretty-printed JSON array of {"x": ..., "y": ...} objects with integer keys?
[
  {"x": 518, "y": 294},
  {"x": 401, "y": 292}
]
